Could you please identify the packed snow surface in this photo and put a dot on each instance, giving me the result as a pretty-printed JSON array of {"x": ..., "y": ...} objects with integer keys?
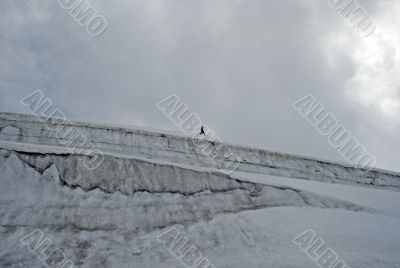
[{"x": 149, "y": 183}]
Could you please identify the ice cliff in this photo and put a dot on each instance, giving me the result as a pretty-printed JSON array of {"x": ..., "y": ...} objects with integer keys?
[{"x": 175, "y": 150}]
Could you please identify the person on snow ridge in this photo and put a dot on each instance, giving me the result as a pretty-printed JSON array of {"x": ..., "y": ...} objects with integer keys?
[{"x": 202, "y": 131}]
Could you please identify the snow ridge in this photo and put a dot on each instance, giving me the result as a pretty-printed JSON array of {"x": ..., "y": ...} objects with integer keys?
[{"x": 178, "y": 150}]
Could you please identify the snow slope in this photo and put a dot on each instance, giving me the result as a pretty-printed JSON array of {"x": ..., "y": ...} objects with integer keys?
[{"x": 112, "y": 216}]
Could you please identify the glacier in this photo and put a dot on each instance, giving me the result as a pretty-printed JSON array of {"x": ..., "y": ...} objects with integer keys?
[{"x": 150, "y": 181}]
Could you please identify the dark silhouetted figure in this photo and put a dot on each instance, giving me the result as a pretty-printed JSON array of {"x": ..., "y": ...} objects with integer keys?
[{"x": 202, "y": 131}]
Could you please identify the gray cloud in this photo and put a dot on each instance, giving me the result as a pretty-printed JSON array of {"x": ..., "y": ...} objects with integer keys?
[{"x": 239, "y": 65}]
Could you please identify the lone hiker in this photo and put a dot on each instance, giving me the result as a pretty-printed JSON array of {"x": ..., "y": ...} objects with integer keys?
[{"x": 202, "y": 131}]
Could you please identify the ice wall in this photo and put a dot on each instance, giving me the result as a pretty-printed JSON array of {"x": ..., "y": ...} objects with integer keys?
[{"x": 181, "y": 150}]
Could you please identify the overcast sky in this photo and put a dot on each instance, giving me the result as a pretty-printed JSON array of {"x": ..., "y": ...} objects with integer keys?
[{"x": 239, "y": 64}]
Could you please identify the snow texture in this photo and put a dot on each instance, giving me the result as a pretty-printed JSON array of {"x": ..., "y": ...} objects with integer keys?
[
  {"x": 183, "y": 150},
  {"x": 149, "y": 182}
]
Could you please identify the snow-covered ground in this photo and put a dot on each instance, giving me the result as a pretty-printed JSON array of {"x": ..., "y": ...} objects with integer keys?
[{"x": 112, "y": 216}]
